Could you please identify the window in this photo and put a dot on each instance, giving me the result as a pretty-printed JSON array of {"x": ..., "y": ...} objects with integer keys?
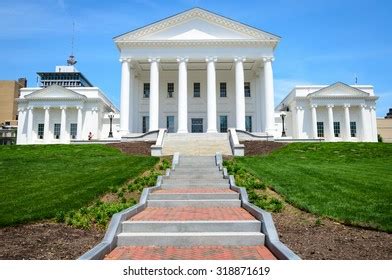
[
  {"x": 223, "y": 90},
  {"x": 40, "y": 131},
  {"x": 7, "y": 123},
  {"x": 223, "y": 124},
  {"x": 146, "y": 90},
  {"x": 320, "y": 129},
  {"x": 247, "y": 89},
  {"x": 170, "y": 90},
  {"x": 196, "y": 89},
  {"x": 197, "y": 125},
  {"x": 170, "y": 123},
  {"x": 57, "y": 129},
  {"x": 353, "y": 129},
  {"x": 248, "y": 123},
  {"x": 16, "y": 117},
  {"x": 145, "y": 124},
  {"x": 73, "y": 130},
  {"x": 336, "y": 129}
]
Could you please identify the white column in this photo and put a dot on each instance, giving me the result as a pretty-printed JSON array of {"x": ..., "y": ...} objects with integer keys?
[
  {"x": 363, "y": 122},
  {"x": 239, "y": 93},
  {"x": 79, "y": 123},
  {"x": 299, "y": 121},
  {"x": 314, "y": 121},
  {"x": 269, "y": 95},
  {"x": 374, "y": 123},
  {"x": 182, "y": 96},
  {"x": 30, "y": 122},
  {"x": 95, "y": 124},
  {"x": 154, "y": 93},
  {"x": 125, "y": 92},
  {"x": 63, "y": 123},
  {"x": 211, "y": 94},
  {"x": 330, "y": 135},
  {"x": 347, "y": 130},
  {"x": 46, "y": 124}
]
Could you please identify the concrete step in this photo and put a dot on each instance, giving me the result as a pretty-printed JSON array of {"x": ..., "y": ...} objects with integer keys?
[
  {"x": 181, "y": 185},
  {"x": 191, "y": 226},
  {"x": 199, "y": 203},
  {"x": 193, "y": 181},
  {"x": 186, "y": 239},
  {"x": 199, "y": 170},
  {"x": 192, "y": 196},
  {"x": 191, "y": 175}
]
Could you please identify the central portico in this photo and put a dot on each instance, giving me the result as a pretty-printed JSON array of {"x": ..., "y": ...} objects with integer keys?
[{"x": 197, "y": 72}]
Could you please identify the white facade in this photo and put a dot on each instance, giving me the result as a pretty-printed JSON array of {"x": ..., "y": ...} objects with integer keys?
[
  {"x": 55, "y": 115},
  {"x": 338, "y": 112},
  {"x": 198, "y": 53}
]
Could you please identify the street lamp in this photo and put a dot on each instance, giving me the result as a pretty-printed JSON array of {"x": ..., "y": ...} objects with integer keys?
[
  {"x": 111, "y": 116},
  {"x": 283, "y": 115}
]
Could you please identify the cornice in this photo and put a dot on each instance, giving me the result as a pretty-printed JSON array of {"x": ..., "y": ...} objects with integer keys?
[{"x": 198, "y": 43}]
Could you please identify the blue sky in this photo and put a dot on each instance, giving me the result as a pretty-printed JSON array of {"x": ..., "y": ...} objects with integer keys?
[{"x": 323, "y": 41}]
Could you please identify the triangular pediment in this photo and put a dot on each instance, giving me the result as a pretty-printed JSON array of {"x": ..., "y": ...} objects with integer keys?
[
  {"x": 55, "y": 92},
  {"x": 196, "y": 24},
  {"x": 339, "y": 90}
]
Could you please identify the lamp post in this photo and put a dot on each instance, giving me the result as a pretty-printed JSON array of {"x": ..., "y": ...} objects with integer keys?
[
  {"x": 283, "y": 115},
  {"x": 111, "y": 116}
]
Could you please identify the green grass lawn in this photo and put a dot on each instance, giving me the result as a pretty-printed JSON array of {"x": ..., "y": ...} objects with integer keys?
[
  {"x": 36, "y": 182},
  {"x": 349, "y": 182}
]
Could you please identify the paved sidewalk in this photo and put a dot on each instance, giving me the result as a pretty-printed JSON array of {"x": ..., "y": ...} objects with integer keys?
[{"x": 191, "y": 253}]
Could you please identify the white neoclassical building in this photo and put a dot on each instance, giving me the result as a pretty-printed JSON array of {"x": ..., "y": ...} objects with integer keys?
[
  {"x": 197, "y": 72},
  {"x": 201, "y": 72},
  {"x": 338, "y": 112},
  {"x": 65, "y": 107}
]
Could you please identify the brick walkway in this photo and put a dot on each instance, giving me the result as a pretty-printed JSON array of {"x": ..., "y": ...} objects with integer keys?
[
  {"x": 191, "y": 253},
  {"x": 193, "y": 214}
]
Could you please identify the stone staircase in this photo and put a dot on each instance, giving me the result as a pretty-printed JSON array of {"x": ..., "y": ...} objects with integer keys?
[
  {"x": 196, "y": 144},
  {"x": 193, "y": 213}
]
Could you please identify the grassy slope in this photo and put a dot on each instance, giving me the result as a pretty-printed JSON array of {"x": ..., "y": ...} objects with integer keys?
[
  {"x": 350, "y": 182},
  {"x": 38, "y": 181}
]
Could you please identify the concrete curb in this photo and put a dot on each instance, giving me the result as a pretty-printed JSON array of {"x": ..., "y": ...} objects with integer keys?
[{"x": 272, "y": 242}]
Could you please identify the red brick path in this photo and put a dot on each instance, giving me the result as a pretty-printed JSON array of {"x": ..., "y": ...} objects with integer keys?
[
  {"x": 191, "y": 253},
  {"x": 192, "y": 214}
]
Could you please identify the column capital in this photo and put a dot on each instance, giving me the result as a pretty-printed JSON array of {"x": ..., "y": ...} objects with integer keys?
[
  {"x": 46, "y": 107},
  {"x": 363, "y": 106},
  {"x": 239, "y": 59},
  {"x": 123, "y": 59},
  {"x": 182, "y": 59},
  {"x": 268, "y": 59},
  {"x": 330, "y": 106},
  {"x": 79, "y": 107},
  {"x": 211, "y": 59},
  {"x": 373, "y": 108},
  {"x": 346, "y": 105},
  {"x": 63, "y": 107},
  {"x": 21, "y": 109},
  {"x": 94, "y": 109},
  {"x": 30, "y": 107},
  {"x": 298, "y": 108},
  {"x": 313, "y": 105},
  {"x": 154, "y": 59}
]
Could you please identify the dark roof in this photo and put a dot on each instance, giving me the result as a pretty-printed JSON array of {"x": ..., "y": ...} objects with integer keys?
[{"x": 82, "y": 77}]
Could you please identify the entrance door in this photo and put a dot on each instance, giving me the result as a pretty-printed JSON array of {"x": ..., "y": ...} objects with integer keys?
[
  {"x": 170, "y": 124},
  {"x": 197, "y": 125}
]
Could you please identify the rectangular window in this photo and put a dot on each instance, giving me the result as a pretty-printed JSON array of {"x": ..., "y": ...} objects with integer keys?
[
  {"x": 170, "y": 90},
  {"x": 336, "y": 129},
  {"x": 247, "y": 89},
  {"x": 320, "y": 129},
  {"x": 196, "y": 89},
  {"x": 223, "y": 124},
  {"x": 73, "y": 130},
  {"x": 197, "y": 125},
  {"x": 248, "y": 123},
  {"x": 57, "y": 129},
  {"x": 223, "y": 90},
  {"x": 146, "y": 90},
  {"x": 170, "y": 124},
  {"x": 145, "y": 124},
  {"x": 353, "y": 129},
  {"x": 41, "y": 131}
]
